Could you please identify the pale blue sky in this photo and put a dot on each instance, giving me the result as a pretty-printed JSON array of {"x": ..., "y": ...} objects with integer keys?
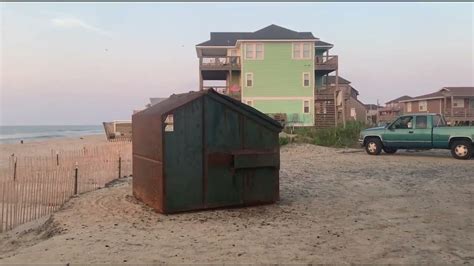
[{"x": 84, "y": 63}]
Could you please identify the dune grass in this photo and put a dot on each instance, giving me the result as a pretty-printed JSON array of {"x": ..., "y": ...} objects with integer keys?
[{"x": 331, "y": 137}]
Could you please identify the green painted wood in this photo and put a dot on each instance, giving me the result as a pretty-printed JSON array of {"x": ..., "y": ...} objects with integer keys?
[
  {"x": 183, "y": 159},
  {"x": 260, "y": 185},
  {"x": 223, "y": 135}
]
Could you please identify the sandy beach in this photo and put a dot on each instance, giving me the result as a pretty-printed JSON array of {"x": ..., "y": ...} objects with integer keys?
[{"x": 337, "y": 206}]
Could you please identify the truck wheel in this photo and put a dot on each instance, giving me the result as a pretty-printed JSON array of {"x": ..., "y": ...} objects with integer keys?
[
  {"x": 389, "y": 150},
  {"x": 461, "y": 149},
  {"x": 373, "y": 146}
]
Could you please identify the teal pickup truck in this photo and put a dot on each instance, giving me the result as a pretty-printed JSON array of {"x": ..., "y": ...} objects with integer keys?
[{"x": 419, "y": 131}]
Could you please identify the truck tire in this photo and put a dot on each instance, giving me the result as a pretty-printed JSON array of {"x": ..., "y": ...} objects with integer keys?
[
  {"x": 389, "y": 150},
  {"x": 461, "y": 149},
  {"x": 373, "y": 146}
]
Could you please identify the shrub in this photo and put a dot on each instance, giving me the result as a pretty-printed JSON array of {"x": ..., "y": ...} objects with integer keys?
[
  {"x": 283, "y": 140},
  {"x": 332, "y": 137}
]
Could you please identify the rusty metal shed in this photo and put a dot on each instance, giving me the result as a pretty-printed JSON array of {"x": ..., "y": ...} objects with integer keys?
[{"x": 203, "y": 150}]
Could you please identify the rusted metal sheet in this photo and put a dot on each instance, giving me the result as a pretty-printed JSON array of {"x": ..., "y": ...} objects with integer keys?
[{"x": 204, "y": 150}]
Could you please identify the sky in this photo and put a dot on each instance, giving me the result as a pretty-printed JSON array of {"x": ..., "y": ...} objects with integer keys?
[{"x": 85, "y": 63}]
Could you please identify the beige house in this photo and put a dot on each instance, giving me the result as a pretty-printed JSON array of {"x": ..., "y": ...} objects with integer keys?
[
  {"x": 392, "y": 109},
  {"x": 455, "y": 103},
  {"x": 349, "y": 107}
]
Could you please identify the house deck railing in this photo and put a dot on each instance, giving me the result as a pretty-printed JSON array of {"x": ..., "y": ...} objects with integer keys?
[
  {"x": 463, "y": 113},
  {"x": 326, "y": 62},
  {"x": 220, "y": 62}
]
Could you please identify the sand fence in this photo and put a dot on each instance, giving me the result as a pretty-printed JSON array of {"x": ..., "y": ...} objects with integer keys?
[{"x": 34, "y": 186}]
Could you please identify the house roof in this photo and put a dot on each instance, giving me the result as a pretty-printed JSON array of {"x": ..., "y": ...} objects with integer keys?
[
  {"x": 178, "y": 100},
  {"x": 272, "y": 32},
  {"x": 323, "y": 44},
  {"x": 404, "y": 97},
  {"x": 372, "y": 106},
  {"x": 446, "y": 91}
]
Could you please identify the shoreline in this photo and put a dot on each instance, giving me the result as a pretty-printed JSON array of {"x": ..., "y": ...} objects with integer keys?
[{"x": 47, "y": 146}]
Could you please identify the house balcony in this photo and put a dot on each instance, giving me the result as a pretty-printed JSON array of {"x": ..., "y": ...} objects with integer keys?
[
  {"x": 326, "y": 63},
  {"x": 216, "y": 63},
  {"x": 459, "y": 115}
]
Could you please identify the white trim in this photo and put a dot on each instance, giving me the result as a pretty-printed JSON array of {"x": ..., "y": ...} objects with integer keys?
[
  {"x": 249, "y": 102},
  {"x": 251, "y": 74},
  {"x": 309, "y": 79}
]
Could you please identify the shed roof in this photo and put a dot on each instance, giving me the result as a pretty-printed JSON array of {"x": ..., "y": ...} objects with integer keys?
[
  {"x": 177, "y": 100},
  {"x": 272, "y": 32}
]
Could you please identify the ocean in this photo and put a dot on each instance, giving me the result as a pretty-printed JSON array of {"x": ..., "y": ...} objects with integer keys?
[{"x": 14, "y": 134}]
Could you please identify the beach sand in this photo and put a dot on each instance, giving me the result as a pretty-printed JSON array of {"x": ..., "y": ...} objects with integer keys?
[
  {"x": 46, "y": 147},
  {"x": 337, "y": 206}
]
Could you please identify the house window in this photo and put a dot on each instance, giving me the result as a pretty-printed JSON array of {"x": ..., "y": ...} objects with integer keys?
[
  {"x": 250, "y": 103},
  {"x": 259, "y": 51},
  {"x": 254, "y": 51},
  {"x": 301, "y": 50},
  {"x": 409, "y": 107},
  {"x": 423, "y": 106},
  {"x": 306, "y": 107},
  {"x": 306, "y": 77},
  {"x": 249, "y": 80},
  {"x": 353, "y": 113},
  {"x": 459, "y": 103}
]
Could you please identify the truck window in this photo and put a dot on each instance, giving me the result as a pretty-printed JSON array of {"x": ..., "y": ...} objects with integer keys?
[
  {"x": 405, "y": 122},
  {"x": 421, "y": 122},
  {"x": 438, "y": 121}
]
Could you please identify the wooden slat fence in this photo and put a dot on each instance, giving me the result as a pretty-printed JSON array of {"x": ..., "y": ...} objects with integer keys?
[{"x": 34, "y": 186}]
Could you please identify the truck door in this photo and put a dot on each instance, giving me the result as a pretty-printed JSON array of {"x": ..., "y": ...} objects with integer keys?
[
  {"x": 400, "y": 134},
  {"x": 422, "y": 132}
]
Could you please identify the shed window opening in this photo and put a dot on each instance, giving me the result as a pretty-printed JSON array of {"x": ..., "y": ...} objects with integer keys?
[
  {"x": 169, "y": 123},
  {"x": 249, "y": 80},
  {"x": 409, "y": 107},
  {"x": 306, "y": 107},
  {"x": 306, "y": 82}
]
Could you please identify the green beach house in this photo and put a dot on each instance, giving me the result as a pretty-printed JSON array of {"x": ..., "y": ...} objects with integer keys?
[{"x": 278, "y": 71}]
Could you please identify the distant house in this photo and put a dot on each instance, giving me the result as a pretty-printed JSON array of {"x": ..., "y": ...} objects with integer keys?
[
  {"x": 392, "y": 109},
  {"x": 372, "y": 113},
  {"x": 353, "y": 108},
  {"x": 455, "y": 103},
  {"x": 276, "y": 70}
]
